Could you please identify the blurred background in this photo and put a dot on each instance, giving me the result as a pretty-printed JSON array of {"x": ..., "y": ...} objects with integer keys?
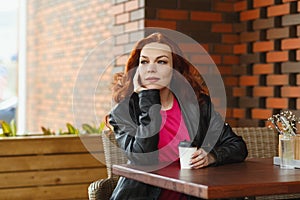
[{"x": 59, "y": 56}]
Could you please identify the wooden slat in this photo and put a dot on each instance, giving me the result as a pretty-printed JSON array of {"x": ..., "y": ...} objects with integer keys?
[
  {"x": 53, "y": 177},
  {"x": 49, "y": 144},
  {"x": 78, "y": 191},
  {"x": 43, "y": 162}
]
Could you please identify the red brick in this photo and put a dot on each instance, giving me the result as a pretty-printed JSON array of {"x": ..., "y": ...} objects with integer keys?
[
  {"x": 298, "y": 79},
  {"x": 263, "y": 68},
  {"x": 161, "y": 23},
  {"x": 206, "y": 16},
  {"x": 257, "y": 113},
  {"x": 281, "y": 103},
  {"x": 278, "y": 10},
  {"x": 239, "y": 92},
  {"x": 131, "y": 26},
  {"x": 278, "y": 79},
  {"x": 205, "y": 46},
  {"x": 230, "y": 38},
  {"x": 264, "y": 3},
  {"x": 117, "y": 9},
  {"x": 284, "y": 1},
  {"x": 239, "y": 6},
  {"x": 205, "y": 59},
  {"x": 249, "y": 15},
  {"x": 230, "y": 81},
  {"x": 238, "y": 113},
  {"x": 240, "y": 48},
  {"x": 223, "y": 49},
  {"x": 298, "y": 55},
  {"x": 290, "y": 91},
  {"x": 298, "y": 30},
  {"x": 194, "y": 47},
  {"x": 216, "y": 59},
  {"x": 263, "y": 46},
  {"x": 224, "y": 7},
  {"x": 122, "y": 39},
  {"x": 250, "y": 36},
  {"x": 293, "y": 43},
  {"x": 173, "y": 14},
  {"x": 225, "y": 70},
  {"x": 298, "y": 5},
  {"x": 191, "y": 47},
  {"x": 122, "y": 18},
  {"x": 131, "y": 5},
  {"x": 248, "y": 80},
  {"x": 232, "y": 60},
  {"x": 276, "y": 33},
  {"x": 221, "y": 28},
  {"x": 263, "y": 91},
  {"x": 277, "y": 56}
]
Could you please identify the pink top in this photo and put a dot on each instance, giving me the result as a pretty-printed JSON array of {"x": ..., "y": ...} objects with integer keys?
[{"x": 173, "y": 130}]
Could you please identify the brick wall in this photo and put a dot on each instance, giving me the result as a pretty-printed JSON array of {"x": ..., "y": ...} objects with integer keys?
[
  {"x": 254, "y": 43},
  {"x": 269, "y": 66},
  {"x": 61, "y": 37},
  {"x": 129, "y": 19}
]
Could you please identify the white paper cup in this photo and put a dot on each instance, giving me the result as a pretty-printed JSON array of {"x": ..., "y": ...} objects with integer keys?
[{"x": 185, "y": 154}]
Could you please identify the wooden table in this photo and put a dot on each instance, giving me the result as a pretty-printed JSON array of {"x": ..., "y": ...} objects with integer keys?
[{"x": 254, "y": 177}]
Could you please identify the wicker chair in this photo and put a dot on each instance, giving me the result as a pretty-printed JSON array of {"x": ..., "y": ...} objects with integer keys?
[
  {"x": 103, "y": 188},
  {"x": 262, "y": 142}
]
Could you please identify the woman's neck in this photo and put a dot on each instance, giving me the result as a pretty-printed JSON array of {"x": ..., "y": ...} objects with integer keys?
[{"x": 166, "y": 98}]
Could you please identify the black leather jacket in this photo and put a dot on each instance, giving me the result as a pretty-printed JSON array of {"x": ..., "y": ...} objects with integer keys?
[{"x": 137, "y": 121}]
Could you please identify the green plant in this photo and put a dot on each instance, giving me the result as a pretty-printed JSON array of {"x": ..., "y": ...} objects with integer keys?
[
  {"x": 71, "y": 130},
  {"x": 93, "y": 128},
  {"x": 8, "y": 129}
]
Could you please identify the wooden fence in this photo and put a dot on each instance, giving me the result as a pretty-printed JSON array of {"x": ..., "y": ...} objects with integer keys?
[{"x": 49, "y": 167}]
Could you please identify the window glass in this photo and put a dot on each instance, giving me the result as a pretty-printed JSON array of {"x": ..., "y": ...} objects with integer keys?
[{"x": 8, "y": 58}]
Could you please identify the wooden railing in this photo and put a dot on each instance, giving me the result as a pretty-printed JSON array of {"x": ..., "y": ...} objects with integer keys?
[{"x": 50, "y": 167}]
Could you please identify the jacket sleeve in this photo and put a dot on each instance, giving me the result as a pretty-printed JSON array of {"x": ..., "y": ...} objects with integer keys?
[
  {"x": 227, "y": 147},
  {"x": 136, "y": 129}
]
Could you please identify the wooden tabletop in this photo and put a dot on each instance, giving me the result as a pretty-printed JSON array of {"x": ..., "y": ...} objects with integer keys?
[{"x": 254, "y": 177}]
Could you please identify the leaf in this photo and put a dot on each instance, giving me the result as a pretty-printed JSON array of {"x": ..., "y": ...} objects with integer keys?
[
  {"x": 13, "y": 127},
  {"x": 88, "y": 128},
  {"x": 6, "y": 128},
  {"x": 47, "y": 131},
  {"x": 102, "y": 126},
  {"x": 72, "y": 129}
]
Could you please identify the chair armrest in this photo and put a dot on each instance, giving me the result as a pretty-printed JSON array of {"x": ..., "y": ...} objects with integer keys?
[{"x": 102, "y": 189}]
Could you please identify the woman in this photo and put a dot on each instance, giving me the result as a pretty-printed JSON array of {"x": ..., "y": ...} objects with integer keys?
[{"x": 160, "y": 102}]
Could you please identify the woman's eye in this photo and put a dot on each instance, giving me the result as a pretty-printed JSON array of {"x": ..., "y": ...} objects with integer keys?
[
  {"x": 162, "y": 62},
  {"x": 144, "y": 62}
]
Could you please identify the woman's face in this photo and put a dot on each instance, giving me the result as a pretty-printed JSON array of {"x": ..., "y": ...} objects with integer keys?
[{"x": 156, "y": 65}]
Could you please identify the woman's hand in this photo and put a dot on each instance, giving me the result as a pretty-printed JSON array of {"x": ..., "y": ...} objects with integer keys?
[
  {"x": 137, "y": 87},
  {"x": 201, "y": 159}
]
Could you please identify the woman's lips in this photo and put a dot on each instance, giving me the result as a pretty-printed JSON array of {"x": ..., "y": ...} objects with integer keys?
[{"x": 152, "y": 79}]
